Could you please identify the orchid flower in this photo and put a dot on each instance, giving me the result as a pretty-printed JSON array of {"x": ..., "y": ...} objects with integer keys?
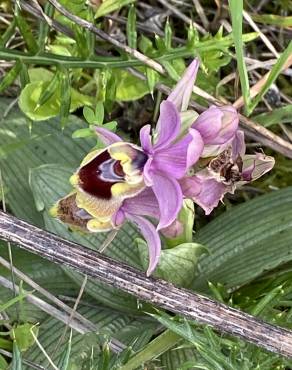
[
  {"x": 126, "y": 182},
  {"x": 134, "y": 209},
  {"x": 224, "y": 173}
]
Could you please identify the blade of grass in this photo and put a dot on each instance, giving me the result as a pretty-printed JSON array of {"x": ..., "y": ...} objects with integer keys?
[
  {"x": 236, "y": 10},
  {"x": 25, "y": 31},
  {"x": 110, "y": 6},
  {"x": 8, "y": 33},
  {"x": 23, "y": 76},
  {"x": 44, "y": 27},
  {"x": 43, "y": 350},
  {"x": 131, "y": 28},
  {"x": 12, "y": 301},
  {"x": 156, "y": 347},
  {"x": 64, "y": 360},
  {"x": 280, "y": 115},
  {"x": 49, "y": 91},
  {"x": 276, "y": 20},
  {"x": 284, "y": 60},
  {"x": 25, "y": 362},
  {"x": 65, "y": 87},
  {"x": 9, "y": 77}
]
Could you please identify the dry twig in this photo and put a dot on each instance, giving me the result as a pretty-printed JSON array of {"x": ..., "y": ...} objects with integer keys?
[{"x": 156, "y": 291}]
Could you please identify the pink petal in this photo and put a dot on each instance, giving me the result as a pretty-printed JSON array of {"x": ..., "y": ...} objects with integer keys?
[
  {"x": 119, "y": 218},
  {"x": 152, "y": 238},
  {"x": 106, "y": 136},
  {"x": 145, "y": 139},
  {"x": 168, "y": 125},
  {"x": 169, "y": 196},
  {"x": 238, "y": 145},
  {"x": 143, "y": 204},
  {"x": 181, "y": 94},
  {"x": 147, "y": 172},
  {"x": 230, "y": 123},
  {"x": 209, "y": 124},
  {"x": 190, "y": 186},
  {"x": 217, "y": 125},
  {"x": 177, "y": 158},
  {"x": 173, "y": 230},
  {"x": 204, "y": 190},
  {"x": 210, "y": 195}
]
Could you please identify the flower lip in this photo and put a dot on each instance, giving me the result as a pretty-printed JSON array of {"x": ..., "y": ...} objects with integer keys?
[
  {"x": 109, "y": 167},
  {"x": 98, "y": 176}
]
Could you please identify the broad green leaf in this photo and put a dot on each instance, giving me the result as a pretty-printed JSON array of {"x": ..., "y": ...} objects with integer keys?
[
  {"x": 77, "y": 7},
  {"x": 40, "y": 74},
  {"x": 129, "y": 87},
  {"x": 177, "y": 265},
  {"x": 31, "y": 94},
  {"x": 109, "y": 6},
  {"x": 23, "y": 336},
  {"x": 49, "y": 148},
  {"x": 247, "y": 240}
]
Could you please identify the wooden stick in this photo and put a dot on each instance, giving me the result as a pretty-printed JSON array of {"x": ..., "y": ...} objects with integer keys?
[{"x": 158, "y": 292}]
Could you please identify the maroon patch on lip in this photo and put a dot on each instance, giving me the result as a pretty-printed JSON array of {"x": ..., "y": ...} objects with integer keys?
[{"x": 90, "y": 177}]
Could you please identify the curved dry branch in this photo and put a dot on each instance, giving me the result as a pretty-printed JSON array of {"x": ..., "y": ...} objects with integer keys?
[{"x": 155, "y": 291}]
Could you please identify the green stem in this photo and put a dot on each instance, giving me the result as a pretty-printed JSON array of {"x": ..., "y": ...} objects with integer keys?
[
  {"x": 115, "y": 62},
  {"x": 159, "y": 345}
]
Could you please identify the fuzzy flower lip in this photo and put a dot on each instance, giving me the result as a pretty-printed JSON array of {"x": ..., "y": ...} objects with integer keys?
[{"x": 106, "y": 177}]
